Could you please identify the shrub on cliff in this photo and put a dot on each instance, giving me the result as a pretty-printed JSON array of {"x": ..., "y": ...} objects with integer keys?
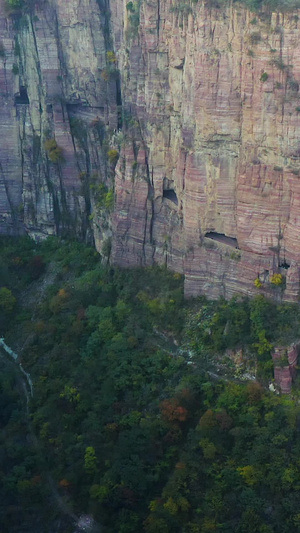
[
  {"x": 111, "y": 57},
  {"x": 113, "y": 156},
  {"x": 7, "y": 300},
  {"x": 277, "y": 279},
  {"x": 264, "y": 77},
  {"x": 55, "y": 152},
  {"x": 103, "y": 196}
]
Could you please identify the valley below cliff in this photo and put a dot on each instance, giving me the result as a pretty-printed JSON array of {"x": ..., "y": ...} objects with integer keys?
[{"x": 125, "y": 408}]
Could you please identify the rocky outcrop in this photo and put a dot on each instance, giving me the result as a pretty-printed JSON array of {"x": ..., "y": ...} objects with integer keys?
[
  {"x": 208, "y": 178},
  {"x": 212, "y": 95},
  {"x": 56, "y": 105},
  {"x": 285, "y": 366}
]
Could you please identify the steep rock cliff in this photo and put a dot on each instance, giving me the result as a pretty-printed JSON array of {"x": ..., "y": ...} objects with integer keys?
[
  {"x": 209, "y": 181},
  {"x": 56, "y": 104},
  {"x": 208, "y": 178}
]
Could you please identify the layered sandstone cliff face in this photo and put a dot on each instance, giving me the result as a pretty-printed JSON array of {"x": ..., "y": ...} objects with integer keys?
[
  {"x": 215, "y": 96},
  {"x": 285, "y": 366},
  {"x": 208, "y": 179},
  {"x": 52, "y": 87}
]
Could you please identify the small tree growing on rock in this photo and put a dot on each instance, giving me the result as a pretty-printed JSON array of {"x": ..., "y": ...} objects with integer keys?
[{"x": 55, "y": 152}]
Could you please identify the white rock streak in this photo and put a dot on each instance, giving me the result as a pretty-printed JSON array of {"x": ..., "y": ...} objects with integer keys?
[{"x": 15, "y": 356}]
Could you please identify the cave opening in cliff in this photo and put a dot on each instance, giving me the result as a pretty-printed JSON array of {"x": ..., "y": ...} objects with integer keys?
[
  {"x": 284, "y": 265},
  {"x": 22, "y": 97},
  {"x": 221, "y": 237},
  {"x": 171, "y": 195}
]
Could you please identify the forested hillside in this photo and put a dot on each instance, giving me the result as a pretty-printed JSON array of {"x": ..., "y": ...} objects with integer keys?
[{"x": 130, "y": 422}]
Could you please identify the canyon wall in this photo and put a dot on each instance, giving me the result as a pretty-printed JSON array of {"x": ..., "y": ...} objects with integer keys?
[
  {"x": 208, "y": 176},
  {"x": 55, "y": 106},
  {"x": 210, "y": 179}
]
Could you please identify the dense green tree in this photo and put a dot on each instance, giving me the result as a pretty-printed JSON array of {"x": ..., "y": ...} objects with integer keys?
[
  {"x": 7, "y": 300},
  {"x": 120, "y": 423}
]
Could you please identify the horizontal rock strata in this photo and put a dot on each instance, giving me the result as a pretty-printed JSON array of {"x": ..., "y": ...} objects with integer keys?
[
  {"x": 208, "y": 176},
  {"x": 213, "y": 96},
  {"x": 53, "y": 88}
]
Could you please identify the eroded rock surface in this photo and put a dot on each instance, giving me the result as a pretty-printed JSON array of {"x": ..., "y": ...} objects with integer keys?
[
  {"x": 285, "y": 366},
  {"x": 214, "y": 94},
  {"x": 52, "y": 87},
  {"x": 208, "y": 178}
]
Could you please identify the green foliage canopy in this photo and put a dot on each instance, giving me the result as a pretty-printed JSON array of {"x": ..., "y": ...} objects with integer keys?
[{"x": 125, "y": 428}]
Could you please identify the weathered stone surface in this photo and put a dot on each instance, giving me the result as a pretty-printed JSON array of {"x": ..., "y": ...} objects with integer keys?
[
  {"x": 285, "y": 373},
  {"x": 223, "y": 134},
  {"x": 59, "y": 56},
  {"x": 211, "y": 113}
]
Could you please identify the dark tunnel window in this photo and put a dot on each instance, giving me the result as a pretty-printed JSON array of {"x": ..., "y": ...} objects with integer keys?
[
  {"x": 170, "y": 194},
  {"x": 22, "y": 97}
]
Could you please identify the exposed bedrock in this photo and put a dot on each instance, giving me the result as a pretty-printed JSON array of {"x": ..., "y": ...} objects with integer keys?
[
  {"x": 285, "y": 361},
  {"x": 208, "y": 178},
  {"x": 56, "y": 103},
  {"x": 209, "y": 181}
]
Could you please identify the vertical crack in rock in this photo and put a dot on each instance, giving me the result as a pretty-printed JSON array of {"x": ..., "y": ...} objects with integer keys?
[
  {"x": 60, "y": 58},
  {"x": 119, "y": 103}
]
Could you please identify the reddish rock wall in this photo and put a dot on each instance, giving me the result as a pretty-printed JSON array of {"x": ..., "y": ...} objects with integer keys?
[
  {"x": 210, "y": 114},
  {"x": 207, "y": 123}
]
